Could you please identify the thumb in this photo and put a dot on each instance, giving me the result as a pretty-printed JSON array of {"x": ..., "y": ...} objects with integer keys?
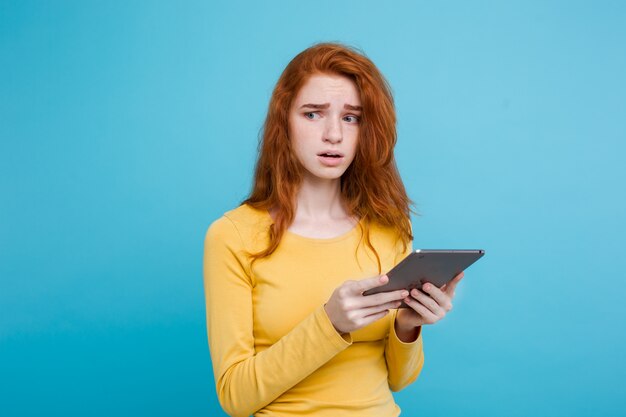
[{"x": 450, "y": 286}]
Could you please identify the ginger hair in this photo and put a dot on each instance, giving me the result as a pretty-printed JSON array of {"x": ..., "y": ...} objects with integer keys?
[{"x": 371, "y": 187}]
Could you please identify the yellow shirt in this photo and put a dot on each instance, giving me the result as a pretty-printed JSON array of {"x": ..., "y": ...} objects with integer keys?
[{"x": 273, "y": 348}]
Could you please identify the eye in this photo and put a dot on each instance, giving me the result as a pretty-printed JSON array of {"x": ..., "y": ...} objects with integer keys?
[
  {"x": 351, "y": 119},
  {"x": 310, "y": 115}
]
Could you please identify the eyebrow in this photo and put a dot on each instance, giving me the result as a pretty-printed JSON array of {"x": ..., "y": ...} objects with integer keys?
[{"x": 327, "y": 105}]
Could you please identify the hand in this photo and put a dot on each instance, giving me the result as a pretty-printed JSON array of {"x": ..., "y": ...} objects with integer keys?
[
  {"x": 426, "y": 308},
  {"x": 348, "y": 309}
]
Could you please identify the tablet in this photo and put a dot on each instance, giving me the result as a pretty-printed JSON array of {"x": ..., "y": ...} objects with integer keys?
[{"x": 436, "y": 266}]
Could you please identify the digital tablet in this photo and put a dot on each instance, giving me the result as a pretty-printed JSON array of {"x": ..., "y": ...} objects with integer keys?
[{"x": 436, "y": 266}]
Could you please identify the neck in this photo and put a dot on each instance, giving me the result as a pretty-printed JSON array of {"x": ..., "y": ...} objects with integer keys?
[{"x": 320, "y": 199}]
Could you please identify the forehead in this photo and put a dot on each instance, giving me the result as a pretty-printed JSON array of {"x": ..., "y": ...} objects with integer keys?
[{"x": 324, "y": 88}]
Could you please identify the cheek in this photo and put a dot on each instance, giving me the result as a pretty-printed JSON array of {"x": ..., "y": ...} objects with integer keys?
[
  {"x": 296, "y": 136},
  {"x": 299, "y": 132},
  {"x": 306, "y": 131},
  {"x": 300, "y": 145},
  {"x": 305, "y": 135},
  {"x": 354, "y": 142}
]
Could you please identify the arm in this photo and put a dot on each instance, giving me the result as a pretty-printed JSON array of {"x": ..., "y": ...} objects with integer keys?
[
  {"x": 404, "y": 359},
  {"x": 427, "y": 306},
  {"x": 403, "y": 350},
  {"x": 247, "y": 381}
]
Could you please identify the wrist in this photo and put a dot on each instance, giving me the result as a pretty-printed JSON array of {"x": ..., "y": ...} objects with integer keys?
[
  {"x": 330, "y": 319},
  {"x": 407, "y": 332}
]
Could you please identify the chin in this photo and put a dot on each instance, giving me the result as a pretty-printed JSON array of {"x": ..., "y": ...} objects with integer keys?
[
  {"x": 321, "y": 175},
  {"x": 332, "y": 176}
]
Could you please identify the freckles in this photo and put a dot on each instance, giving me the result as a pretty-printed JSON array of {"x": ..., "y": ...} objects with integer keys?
[{"x": 299, "y": 133}]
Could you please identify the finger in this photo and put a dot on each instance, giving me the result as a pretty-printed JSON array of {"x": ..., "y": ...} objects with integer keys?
[
  {"x": 442, "y": 298},
  {"x": 450, "y": 286},
  {"x": 364, "y": 312},
  {"x": 372, "y": 318},
  {"x": 381, "y": 298},
  {"x": 363, "y": 285},
  {"x": 419, "y": 308},
  {"x": 428, "y": 302}
]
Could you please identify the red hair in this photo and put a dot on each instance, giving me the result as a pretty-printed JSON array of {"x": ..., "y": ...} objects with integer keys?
[{"x": 371, "y": 186}]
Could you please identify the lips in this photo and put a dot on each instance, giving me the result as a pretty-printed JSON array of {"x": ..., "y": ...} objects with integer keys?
[
  {"x": 330, "y": 154},
  {"x": 330, "y": 158}
]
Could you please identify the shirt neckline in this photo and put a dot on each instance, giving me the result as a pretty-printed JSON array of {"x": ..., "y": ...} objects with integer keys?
[{"x": 308, "y": 239}]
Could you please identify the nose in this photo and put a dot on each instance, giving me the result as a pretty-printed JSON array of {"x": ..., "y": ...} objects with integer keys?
[{"x": 332, "y": 131}]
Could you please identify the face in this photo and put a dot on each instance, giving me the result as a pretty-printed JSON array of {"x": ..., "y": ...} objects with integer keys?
[{"x": 324, "y": 125}]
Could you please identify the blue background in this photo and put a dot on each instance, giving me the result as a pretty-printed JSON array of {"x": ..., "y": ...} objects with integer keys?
[{"x": 128, "y": 127}]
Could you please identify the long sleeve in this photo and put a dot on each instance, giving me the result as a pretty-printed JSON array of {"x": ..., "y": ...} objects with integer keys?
[
  {"x": 247, "y": 381},
  {"x": 404, "y": 360}
]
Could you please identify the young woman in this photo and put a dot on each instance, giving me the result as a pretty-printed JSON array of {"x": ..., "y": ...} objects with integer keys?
[{"x": 290, "y": 333}]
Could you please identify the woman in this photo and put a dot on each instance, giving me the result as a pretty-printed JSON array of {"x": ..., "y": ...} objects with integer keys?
[{"x": 290, "y": 332}]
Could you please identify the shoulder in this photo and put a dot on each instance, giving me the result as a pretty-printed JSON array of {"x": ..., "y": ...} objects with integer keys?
[
  {"x": 386, "y": 237},
  {"x": 242, "y": 225},
  {"x": 383, "y": 232}
]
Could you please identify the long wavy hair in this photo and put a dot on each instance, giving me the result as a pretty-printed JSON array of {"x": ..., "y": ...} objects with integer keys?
[{"x": 371, "y": 187}]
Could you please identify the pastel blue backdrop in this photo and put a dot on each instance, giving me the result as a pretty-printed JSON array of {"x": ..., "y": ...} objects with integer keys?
[{"x": 128, "y": 127}]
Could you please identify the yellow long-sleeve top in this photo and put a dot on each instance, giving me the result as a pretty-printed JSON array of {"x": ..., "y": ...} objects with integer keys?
[{"x": 273, "y": 347}]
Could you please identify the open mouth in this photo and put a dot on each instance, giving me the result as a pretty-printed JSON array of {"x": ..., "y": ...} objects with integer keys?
[{"x": 330, "y": 155}]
